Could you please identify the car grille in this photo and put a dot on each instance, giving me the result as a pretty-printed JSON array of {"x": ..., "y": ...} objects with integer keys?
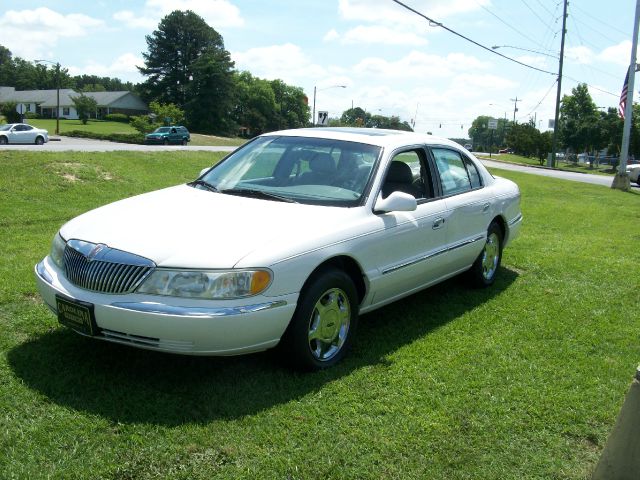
[{"x": 102, "y": 269}]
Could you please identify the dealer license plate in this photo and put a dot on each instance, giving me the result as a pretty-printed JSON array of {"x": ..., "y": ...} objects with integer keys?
[{"x": 77, "y": 315}]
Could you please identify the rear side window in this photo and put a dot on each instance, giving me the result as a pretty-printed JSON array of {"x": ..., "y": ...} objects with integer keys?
[
  {"x": 453, "y": 173},
  {"x": 474, "y": 175}
]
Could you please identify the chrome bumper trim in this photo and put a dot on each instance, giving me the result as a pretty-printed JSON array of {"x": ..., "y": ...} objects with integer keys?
[
  {"x": 434, "y": 254},
  {"x": 162, "y": 309},
  {"x": 515, "y": 220}
]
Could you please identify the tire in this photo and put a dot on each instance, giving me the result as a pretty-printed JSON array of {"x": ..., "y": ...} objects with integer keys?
[
  {"x": 3, "y": 140},
  {"x": 324, "y": 323},
  {"x": 166, "y": 141},
  {"x": 485, "y": 268},
  {"x": 39, "y": 140},
  {"x": 184, "y": 142}
]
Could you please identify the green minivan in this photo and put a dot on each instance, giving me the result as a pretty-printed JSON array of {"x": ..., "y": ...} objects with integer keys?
[{"x": 177, "y": 135}]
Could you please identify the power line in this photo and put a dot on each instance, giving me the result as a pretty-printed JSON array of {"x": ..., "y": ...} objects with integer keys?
[
  {"x": 434, "y": 23},
  {"x": 507, "y": 24},
  {"x": 546, "y": 24},
  {"x": 541, "y": 100}
]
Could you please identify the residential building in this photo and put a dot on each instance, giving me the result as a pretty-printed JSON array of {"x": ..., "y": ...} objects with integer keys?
[{"x": 44, "y": 102}]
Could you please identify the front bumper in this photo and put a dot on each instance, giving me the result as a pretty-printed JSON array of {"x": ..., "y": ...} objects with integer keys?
[{"x": 178, "y": 325}]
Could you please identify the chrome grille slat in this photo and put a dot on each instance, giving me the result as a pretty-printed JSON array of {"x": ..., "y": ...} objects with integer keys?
[{"x": 103, "y": 269}]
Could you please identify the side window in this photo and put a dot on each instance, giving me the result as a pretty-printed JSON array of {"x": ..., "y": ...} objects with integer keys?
[
  {"x": 474, "y": 176},
  {"x": 407, "y": 174},
  {"x": 453, "y": 174}
]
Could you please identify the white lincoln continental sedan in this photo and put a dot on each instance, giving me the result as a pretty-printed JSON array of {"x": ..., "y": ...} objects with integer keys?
[{"x": 283, "y": 243}]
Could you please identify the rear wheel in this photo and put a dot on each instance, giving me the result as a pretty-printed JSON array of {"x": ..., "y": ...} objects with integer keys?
[
  {"x": 3, "y": 140},
  {"x": 324, "y": 323},
  {"x": 484, "y": 269},
  {"x": 184, "y": 141},
  {"x": 39, "y": 141}
]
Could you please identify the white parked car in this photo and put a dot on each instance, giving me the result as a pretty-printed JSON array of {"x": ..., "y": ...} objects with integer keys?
[
  {"x": 283, "y": 243},
  {"x": 634, "y": 172},
  {"x": 22, "y": 133}
]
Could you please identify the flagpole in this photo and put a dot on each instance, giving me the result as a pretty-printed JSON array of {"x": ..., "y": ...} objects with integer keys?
[{"x": 621, "y": 180}]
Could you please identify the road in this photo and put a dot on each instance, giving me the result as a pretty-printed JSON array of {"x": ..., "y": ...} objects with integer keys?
[
  {"x": 91, "y": 145},
  {"x": 73, "y": 144}
]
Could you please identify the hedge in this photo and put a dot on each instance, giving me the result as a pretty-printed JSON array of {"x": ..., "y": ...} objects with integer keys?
[
  {"x": 111, "y": 137},
  {"x": 117, "y": 117}
]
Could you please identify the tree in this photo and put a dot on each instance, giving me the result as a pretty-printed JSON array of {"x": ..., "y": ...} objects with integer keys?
[
  {"x": 579, "y": 121},
  {"x": 9, "y": 112},
  {"x": 166, "y": 113},
  {"x": 85, "y": 106},
  {"x": 292, "y": 106},
  {"x": 187, "y": 65},
  {"x": 483, "y": 139}
]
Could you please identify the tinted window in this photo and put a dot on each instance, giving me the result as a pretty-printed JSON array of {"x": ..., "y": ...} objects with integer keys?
[
  {"x": 474, "y": 176},
  {"x": 453, "y": 173}
]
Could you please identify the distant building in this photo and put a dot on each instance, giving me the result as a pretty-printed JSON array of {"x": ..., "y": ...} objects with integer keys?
[{"x": 43, "y": 102}]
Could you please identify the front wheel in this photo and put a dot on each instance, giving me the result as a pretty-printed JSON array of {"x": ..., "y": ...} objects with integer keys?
[
  {"x": 39, "y": 141},
  {"x": 324, "y": 323},
  {"x": 484, "y": 269}
]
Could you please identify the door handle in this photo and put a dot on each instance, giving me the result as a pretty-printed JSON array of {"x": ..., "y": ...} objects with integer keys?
[
  {"x": 438, "y": 223},
  {"x": 485, "y": 207}
]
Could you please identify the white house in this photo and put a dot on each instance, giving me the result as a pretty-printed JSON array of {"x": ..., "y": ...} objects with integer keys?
[{"x": 44, "y": 102}]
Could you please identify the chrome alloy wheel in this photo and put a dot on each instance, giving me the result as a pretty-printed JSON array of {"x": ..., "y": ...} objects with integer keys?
[
  {"x": 491, "y": 256},
  {"x": 329, "y": 324}
]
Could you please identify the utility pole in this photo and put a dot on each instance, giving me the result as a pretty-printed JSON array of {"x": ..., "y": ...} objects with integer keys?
[
  {"x": 552, "y": 160},
  {"x": 515, "y": 106},
  {"x": 621, "y": 180}
]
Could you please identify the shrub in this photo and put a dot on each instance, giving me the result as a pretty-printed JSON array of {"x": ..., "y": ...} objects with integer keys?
[
  {"x": 117, "y": 117},
  {"x": 143, "y": 124},
  {"x": 31, "y": 115},
  {"x": 111, "y": 137}
]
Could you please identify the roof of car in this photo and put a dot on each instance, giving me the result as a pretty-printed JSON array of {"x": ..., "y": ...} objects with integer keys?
[{"x": 373, "y": 136}]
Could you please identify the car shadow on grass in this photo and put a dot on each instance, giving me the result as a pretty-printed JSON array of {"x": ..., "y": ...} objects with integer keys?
[{"x": 128, "y": 385}]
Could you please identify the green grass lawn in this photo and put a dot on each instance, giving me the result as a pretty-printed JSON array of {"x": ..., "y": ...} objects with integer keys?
[
  {"x": 561, "y": 165},
  {"x": 96, "y": 126},
  {"x": 520, "y": 381},
  {"x": 104, "y": 127}
]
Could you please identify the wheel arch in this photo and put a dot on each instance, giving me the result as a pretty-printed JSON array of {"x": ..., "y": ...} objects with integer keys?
[
  {"x": 348, "y": 265},
  {"x": 502, "y": 223}
]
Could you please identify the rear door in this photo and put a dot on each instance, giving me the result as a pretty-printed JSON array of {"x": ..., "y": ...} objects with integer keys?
[{"x": 469, "y": 205}]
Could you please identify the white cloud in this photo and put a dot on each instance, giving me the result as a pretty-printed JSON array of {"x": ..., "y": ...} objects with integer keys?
[
  {"x": 380, "y": 34},
  {"x": 421, "y": 65},
  {"x": 123, "y": 67},
  {"x": 217, "y": 13},
  {"x": 331, "y": 35},
  {"x": 132, "y": 21},
  {"x": 581, "y": 55},
  {"x": 286, "y": 62},
  {"x": 619, "y": 54},
  {"x": 31, "y": 33}
]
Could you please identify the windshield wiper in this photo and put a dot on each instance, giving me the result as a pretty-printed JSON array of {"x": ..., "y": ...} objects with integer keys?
[
  {"x": 203, "y": 183},
  {"x": 250, "y": 192}
]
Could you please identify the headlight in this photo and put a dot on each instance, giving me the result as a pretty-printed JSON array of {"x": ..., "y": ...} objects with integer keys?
[
  {"x": 57, "y": 250},
  {"x": 202, "y": 284}
]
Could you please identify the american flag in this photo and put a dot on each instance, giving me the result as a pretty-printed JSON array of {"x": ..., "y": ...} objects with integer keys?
[{"x": 623, "y": 95}]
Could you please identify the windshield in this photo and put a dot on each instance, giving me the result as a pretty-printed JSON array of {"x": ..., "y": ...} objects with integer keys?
[
  {"x": 299, "y": 169},
  {"x": 162, "y": 130}
]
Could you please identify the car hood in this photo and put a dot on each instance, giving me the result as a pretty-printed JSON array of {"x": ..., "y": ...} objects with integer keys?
[{"x": 191, "y": 228}]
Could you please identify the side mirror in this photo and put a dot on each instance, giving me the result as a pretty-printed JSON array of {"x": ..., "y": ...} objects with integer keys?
[
  {"x": 203, "y": 171},
  {"x": 396, "y": 202}
]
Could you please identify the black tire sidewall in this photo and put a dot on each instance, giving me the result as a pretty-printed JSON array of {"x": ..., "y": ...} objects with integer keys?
[{"x": 295, "y": 342}]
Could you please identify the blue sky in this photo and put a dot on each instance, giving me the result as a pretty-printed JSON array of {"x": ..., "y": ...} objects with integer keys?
[{"x": 391, "y": 61}]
